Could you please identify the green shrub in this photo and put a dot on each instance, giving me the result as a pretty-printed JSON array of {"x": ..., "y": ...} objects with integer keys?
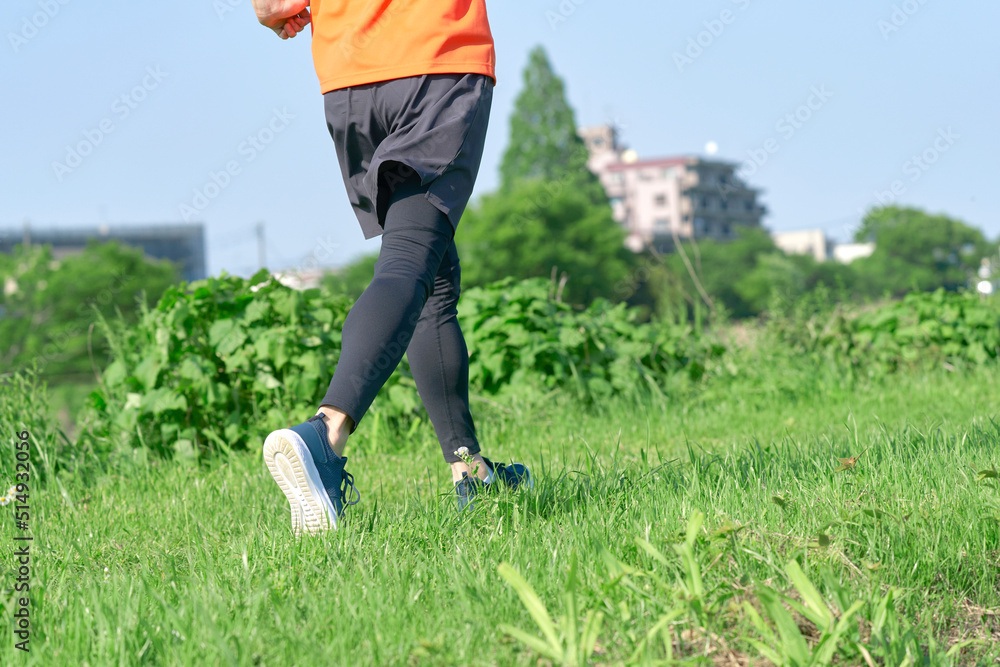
[
  {"x": 518, "y": 335},
  {"x": 922, "y": 329},
  {"x": 219, "y": 363}
]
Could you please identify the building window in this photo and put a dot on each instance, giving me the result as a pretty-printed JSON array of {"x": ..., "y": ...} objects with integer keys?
[
  {"x": 749, "y": 205},
  {"x": 617, "y": 177},
  {"x": 704, "y": 202},
  {"x": 726, "y": 229},
  {"x": 724, "y": 205},
  {"x": 616, "y": 201},
  {"x": 668, "y": 173},
  {"x": 661, "y": 199},
  {"x": 662, "y": 224}
]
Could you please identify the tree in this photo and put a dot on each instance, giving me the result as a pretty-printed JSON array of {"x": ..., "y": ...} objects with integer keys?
[
  {"x": 538, "y": 226},
  {"x": 743, "y": 276},
  {"x": 918, "y": 251},
  {"x": 544, "y": 144},
  {"x": 551, "y": 212},
  {"x": 47, "y": 306},
  {"x": 722, "y": 269}
]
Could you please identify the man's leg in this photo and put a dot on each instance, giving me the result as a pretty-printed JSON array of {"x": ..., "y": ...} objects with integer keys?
[
  {"x": 380, "y": 326},
  {"x": 376, "y": 334},
  {"x": 439, "y": 360}
]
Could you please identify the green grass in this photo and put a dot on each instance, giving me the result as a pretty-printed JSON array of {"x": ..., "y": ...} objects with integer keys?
[{"x": 160, "y": 563}]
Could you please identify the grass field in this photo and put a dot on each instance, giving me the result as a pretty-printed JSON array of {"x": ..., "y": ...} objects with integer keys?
[{"x": 160, "y": 563}]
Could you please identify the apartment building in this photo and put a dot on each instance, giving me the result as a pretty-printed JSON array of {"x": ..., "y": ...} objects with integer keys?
[{"x": 656, "y": 199}]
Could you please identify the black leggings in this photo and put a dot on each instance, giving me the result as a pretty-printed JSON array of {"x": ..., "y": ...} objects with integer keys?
[{"x": 410, "y": 306}]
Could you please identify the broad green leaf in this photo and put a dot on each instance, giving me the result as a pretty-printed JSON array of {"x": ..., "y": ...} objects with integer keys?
[
  {"x": 570, "y": 615},
  {"x": 987, "y": 474},
  {"x": 219, "y": 330},
  {"x": 766, "y": 651},
  {"x": 531, "y": 602},
  {"x": 823, "y": 655},
  {"x": 792, "y": 641},
  {"x": 694, "y": 525},
  {"x": 534, "y": 642},
  {"x": 268, "y": 380},
  {"x": 257, "y": 310},
  {"x": 147, "y": 372},
  {"x": 114, "y": 373},
  {"x": 161, "y": 400},
  {"x": 820, "y": 615},
  {"x": 184, "y": 449},
  {"x": 591, "y": 629},
  {"x": 651, "y": 550},
  {"x": 660, "y": 625}
]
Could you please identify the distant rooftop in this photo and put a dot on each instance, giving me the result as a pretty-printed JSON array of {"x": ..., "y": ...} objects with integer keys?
[
  {"x": 652, "y": 162},
  {"x": 678, "y": 161}
]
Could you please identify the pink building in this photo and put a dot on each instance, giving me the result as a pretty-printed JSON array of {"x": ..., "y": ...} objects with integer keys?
[{"x": 654, "y": 199}]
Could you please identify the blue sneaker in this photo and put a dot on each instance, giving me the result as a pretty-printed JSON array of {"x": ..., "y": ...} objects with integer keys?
[
  {"x": 501, "y": 475},
  {"x": 467, "y": 488},
  {"x": 511, "y": 475},
  {"x": 310, "y": 475}
]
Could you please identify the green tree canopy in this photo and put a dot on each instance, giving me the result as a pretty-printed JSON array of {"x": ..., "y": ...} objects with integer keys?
[
  {"x": 544, "y": 144},
  {"x": 743, "y": 276},
  {"x": 917, "y": 251},
  {"x": 536, "y": 226},
  {"x": 48, "y": 305}
]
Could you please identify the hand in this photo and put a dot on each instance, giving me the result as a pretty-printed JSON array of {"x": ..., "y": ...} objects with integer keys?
[{"x": 286, "y": 18}]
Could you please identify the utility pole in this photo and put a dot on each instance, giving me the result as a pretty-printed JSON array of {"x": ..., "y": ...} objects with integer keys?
[
  {"x": 261, "y": 251},
  {"x": 27, "y": 233}
]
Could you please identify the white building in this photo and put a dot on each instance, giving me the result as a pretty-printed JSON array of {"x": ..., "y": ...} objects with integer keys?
[
  {"x": 815, "y": 242},
  {"x": 805, "y": 242}
]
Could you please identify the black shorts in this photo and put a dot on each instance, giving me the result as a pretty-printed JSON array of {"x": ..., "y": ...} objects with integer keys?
[{"x": 432, "y": 125}]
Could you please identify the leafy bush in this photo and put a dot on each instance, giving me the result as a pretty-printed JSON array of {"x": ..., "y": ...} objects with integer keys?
[
  {"x": 219, "y": 363},
  {"x": 517, "y": 335},
  {"x": 921, "y": 329}
]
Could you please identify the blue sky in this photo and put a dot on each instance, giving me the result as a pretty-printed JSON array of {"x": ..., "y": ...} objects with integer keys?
[{"x": 837, "y": 102}]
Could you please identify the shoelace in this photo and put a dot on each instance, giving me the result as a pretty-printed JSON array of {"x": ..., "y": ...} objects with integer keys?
[
  {"x": 348, "y": 478},
  {"x": 348, "y": 481}
]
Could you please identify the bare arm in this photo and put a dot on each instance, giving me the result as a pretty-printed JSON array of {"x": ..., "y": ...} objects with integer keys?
[{"x": 286, "y": 18}]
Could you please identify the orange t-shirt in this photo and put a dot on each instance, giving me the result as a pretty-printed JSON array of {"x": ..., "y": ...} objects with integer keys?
[{"x": 364, "y": 41}]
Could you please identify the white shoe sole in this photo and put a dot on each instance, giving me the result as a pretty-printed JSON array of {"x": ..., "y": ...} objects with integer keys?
[{"x": 293, "y": 468}]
